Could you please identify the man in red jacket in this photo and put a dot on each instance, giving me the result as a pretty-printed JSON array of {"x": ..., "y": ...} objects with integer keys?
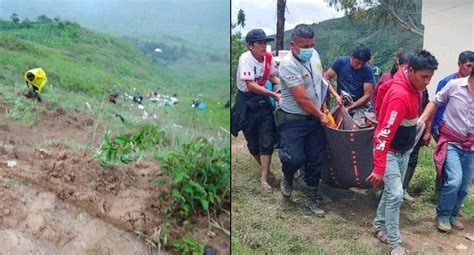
[{"x": 394, "y": 139}]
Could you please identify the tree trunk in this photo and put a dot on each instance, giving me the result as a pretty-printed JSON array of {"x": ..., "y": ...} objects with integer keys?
[{"x": 281, "y": 5}]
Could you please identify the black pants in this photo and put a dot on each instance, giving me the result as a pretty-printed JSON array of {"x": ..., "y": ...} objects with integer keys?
[
  {"x": 261, "y": 134},
  {"x": 302, "y": 144}
]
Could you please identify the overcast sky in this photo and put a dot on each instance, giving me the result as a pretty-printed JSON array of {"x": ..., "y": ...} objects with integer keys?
[{"x": 262, "y": 13}]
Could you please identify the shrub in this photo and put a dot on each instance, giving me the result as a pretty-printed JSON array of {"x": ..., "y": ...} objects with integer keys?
[{"x": 199, "y": 176}]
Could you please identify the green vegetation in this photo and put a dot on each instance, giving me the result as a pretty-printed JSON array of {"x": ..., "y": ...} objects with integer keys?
[
  {"x": 267, "y": 223},
  {"x": 89, "y": 65},
  {"x": 199, "y": 175},
  {"x": 84, "y": 67},
  {"x": 203, "y": 25},
  {"x": 129, "y": 148},
  {"x": 187, "y": 245},
  {"x": 344, "y": 34},
  {"x": 237, "y": 49}
]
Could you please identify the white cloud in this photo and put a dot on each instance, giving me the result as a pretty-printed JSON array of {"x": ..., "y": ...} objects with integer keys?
[{"x": 262, "y": 13}]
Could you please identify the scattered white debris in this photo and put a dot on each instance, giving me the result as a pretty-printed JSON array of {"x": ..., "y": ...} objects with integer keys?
[
  {"x": 88, "y": 106},
  {"x": 11, "y": 163},
  {"x": 141, "y": 107},
  {"x": 469, "y": 237},
  {"x": 210, "y": 234},
  {"x": 178, "y": 126},
  {"x": 158, "y": 50},
  {"x": 173, "y": 100},
  {"x": 461, "y": 246}
]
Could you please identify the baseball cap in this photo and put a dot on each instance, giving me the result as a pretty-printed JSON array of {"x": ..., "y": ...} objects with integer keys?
[{"x": 256, "y": 35}]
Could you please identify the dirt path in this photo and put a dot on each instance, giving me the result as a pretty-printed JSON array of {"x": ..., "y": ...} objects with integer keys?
[
  {"x": 267, "y": 223},
  {"x": 58, "y": 200}
]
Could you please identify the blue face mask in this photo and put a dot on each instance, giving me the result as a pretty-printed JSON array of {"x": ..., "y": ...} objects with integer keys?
[{"x": 305, "y": 54}]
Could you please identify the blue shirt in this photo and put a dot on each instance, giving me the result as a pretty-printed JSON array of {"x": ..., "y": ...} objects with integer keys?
[
  {"x": 440, "y": 111},
  {"x": 351, "y": 80}
]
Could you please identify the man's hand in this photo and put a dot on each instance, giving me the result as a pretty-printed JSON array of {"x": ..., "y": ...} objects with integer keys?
[
  {"x": 349, "y": 108},
  {"x": 277, "y": 96},
  {"x": 375, "y": 179},
  {"x": 324, "y": 119},
  {"x": 426, "y": 139},
  {"x": 339, "y": 100}
]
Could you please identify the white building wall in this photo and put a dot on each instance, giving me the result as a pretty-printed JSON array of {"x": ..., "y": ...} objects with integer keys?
[{"x": 449, "y": 30}]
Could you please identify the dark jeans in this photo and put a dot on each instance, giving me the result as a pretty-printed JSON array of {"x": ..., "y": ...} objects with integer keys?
[{"x": 302, "y": 144}]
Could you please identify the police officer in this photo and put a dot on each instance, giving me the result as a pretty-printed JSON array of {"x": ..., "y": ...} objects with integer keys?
[{"x": 301, "y": 115}]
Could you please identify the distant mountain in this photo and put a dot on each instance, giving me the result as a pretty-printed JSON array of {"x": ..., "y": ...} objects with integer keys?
[
  {"x": 202, "y": 25},
  {"x": 337, "y": 37},
  {"x": 79, "y": 60}
]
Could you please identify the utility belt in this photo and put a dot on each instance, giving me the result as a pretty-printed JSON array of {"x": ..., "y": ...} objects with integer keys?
[{"x": 282, "y": 116}]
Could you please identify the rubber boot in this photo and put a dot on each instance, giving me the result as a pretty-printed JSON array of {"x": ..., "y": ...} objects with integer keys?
[
  {"x": 286, "y": 186},
  {"x": 311, "y": 200}
]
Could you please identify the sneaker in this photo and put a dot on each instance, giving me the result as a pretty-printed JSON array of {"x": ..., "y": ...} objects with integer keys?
[
  {"x": 443, "y": 223},
  {"x": 286, "y": 186},
  {"x": 398, "y": 250},
  {"x": 312, "y": 202},
  {"x": 456, "y": 223},
  {"x": 407, "y": 196}
]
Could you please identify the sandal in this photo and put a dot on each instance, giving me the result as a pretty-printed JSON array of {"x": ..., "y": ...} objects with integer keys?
[
  {"x": 381, "y": 235},
  {"x": 398, "y": 250}
]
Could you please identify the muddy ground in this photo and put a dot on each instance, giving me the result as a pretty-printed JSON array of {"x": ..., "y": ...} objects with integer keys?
[
  {"x": 266, "y": 223},
  {"x": 58, "y": 200}
]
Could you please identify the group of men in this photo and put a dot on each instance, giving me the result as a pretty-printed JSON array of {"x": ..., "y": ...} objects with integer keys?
[{"x": 298, "y": 120}]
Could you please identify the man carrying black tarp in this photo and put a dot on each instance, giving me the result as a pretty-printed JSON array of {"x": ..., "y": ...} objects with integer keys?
[{"x": 301, "y": 116}]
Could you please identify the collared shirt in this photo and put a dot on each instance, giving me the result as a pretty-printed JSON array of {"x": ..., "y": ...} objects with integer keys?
[
  {"x": 439, "y": 113},
  {"x": 251, "y": 70},
  {"x": 294, "y": 73},
  {"x": 459, "y": 113}
]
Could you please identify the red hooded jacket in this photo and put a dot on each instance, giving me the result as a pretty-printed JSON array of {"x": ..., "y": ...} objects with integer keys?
[{"x": 397, "y": 116}]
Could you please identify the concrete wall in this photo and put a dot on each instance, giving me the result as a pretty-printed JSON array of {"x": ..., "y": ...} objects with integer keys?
[{"x": 449, "y": 30}]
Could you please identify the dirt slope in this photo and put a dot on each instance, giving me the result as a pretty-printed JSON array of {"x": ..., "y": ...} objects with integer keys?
[{"x": 58, "y": 200}]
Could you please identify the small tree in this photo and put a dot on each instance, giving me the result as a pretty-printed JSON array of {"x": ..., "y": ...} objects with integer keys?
[
  {"x": 241, "y": 18},
  {"x": 15, "y": 18},
  {"x": 44, "y": 19},
  {"x": 335, "y": 51},
  {"x": 26, "y": 23},
  {"x": 405, "y": 13}
]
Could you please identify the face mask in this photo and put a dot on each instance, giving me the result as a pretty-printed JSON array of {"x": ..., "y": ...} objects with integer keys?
[{"x": 305, "y": 54}]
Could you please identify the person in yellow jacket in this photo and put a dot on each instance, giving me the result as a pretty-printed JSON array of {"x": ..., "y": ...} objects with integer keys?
[{"x": 37, "y": 79}]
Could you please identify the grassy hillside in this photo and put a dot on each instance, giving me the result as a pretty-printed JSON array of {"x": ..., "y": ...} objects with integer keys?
[
  {"x": 341, "y": 35},
  {"x": 84, "y": 66}
]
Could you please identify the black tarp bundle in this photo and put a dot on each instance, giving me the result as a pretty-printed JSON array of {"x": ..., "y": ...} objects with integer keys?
[{"x": 349, "y": 153}]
